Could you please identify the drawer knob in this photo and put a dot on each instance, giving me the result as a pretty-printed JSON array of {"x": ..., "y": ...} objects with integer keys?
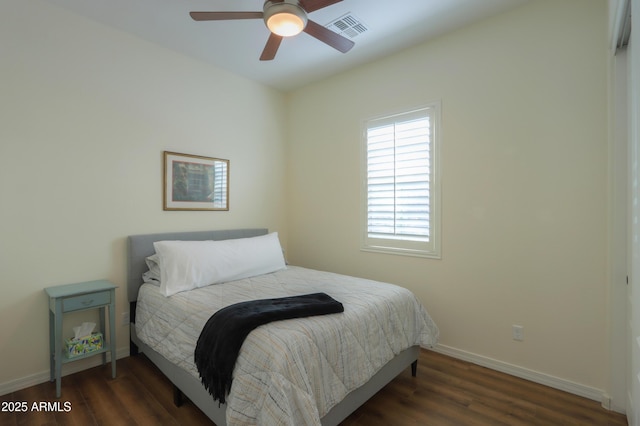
[{"x": 87, "y": 302}]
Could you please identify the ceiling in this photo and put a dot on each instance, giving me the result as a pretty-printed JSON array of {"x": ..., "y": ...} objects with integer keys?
[{"x": 236, "y": 45}]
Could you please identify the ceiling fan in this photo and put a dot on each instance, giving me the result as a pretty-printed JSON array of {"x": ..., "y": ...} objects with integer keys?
[{"x": 285, "y": 18}]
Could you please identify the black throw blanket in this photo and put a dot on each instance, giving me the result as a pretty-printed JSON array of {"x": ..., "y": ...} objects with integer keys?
[{"x": 223, "y": 334}]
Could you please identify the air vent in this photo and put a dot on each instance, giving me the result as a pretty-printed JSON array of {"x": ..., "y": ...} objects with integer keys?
[{"x": 348, "y": 26}]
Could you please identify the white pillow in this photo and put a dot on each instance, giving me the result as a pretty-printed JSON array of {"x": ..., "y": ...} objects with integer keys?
[
  {"x": 185, "y": 265},
  {"x": 152, "y": 276}
]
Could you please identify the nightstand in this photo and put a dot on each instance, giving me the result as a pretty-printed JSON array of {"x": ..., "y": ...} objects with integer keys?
[{"x": 78, "y": 297}]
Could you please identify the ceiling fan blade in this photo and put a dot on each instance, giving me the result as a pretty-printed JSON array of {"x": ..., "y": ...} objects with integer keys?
[
  {"x": 270, "y": 49},
  {"x": 312, "y": 5},
  {"x": 327, "y": 36},
  {"x": 223, "y": 16}
]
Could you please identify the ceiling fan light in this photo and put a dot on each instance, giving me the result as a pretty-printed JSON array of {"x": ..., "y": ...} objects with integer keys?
[
  {"x": 285, "y": 19},
  {"x": 285, "y": 24}
]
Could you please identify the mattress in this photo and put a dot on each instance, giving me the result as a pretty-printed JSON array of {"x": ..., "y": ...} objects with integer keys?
[{"x": 294, "y": 371}]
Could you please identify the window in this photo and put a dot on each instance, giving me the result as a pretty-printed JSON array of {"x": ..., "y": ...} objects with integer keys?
[{"x": 401, "y": 183}]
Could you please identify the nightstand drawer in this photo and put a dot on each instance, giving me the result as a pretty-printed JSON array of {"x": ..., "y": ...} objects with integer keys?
[{"x": 86, "y": 301}]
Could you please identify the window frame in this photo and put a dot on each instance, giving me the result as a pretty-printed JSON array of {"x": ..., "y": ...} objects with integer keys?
[{"x": 398, "y": 245}]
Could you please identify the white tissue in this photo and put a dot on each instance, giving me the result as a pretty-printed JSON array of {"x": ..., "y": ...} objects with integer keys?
[{"x": 84, "y": 330}]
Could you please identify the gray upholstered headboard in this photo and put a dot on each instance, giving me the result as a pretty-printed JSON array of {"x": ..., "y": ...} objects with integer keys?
[{"x": 139, "y": 247}]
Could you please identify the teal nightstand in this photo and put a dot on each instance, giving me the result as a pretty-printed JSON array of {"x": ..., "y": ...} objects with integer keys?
[{"x": 78, "y": 297}]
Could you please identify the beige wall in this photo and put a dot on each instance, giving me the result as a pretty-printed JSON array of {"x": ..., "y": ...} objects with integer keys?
[
  {"x": 524, "y": 173},
  {"x": 85, "y": 113}
]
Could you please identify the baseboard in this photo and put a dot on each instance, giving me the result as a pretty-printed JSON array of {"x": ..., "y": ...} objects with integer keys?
[
  {"x": 531, "y": 375},
  {"x": 69, "y": 368}
]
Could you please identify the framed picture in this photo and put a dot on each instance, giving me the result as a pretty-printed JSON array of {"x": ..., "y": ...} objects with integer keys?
[{"x": 193, "y": 182}]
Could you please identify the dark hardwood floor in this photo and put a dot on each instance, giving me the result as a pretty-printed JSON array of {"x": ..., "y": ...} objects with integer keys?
[{"x": 445, "y": 392}]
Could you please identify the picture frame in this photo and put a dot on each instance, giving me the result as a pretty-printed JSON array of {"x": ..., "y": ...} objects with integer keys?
[{"x": 194, "y": 182}]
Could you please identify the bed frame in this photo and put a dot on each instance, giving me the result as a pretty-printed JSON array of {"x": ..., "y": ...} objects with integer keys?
[{"x": 141, "y": 246}]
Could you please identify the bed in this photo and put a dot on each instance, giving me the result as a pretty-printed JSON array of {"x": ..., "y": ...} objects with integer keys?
[{"x": 319, "y": 377}]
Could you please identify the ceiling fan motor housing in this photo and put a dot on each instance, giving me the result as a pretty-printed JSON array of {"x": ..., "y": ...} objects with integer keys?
[{"x": 283, "y": 18}]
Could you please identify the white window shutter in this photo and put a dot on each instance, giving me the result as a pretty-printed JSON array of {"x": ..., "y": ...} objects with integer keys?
[{"x": 399, "y": 182}]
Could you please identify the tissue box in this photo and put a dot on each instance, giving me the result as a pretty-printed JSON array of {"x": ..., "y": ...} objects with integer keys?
[{"x": 75, "y": 347}]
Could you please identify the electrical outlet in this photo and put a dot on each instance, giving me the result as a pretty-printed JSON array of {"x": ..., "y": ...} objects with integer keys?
[
  {"x": 125, "y": 318},
  {"x": 517, "y": 332}
]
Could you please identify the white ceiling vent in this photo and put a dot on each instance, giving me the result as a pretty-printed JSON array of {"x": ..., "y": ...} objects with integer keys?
[{"x": 348, "y": 26}]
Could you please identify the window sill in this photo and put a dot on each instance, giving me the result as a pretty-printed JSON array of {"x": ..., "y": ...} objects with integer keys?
[{"x": 402, "y": 252}]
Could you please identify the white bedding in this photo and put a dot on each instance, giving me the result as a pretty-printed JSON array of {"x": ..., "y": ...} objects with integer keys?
[{"x": 291, "y": 372}]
